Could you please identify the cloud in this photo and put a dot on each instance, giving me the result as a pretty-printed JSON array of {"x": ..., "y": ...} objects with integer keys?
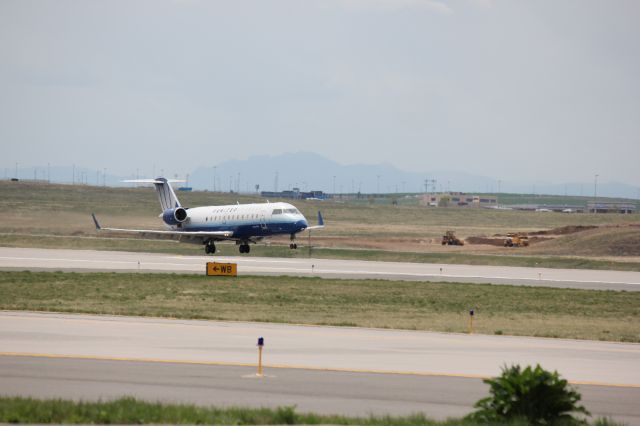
[
  {"x": 433, "y": 5},
  {"x": 482, "y": 3}
]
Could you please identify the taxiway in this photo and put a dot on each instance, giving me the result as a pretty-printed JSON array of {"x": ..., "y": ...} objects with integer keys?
[
  {"x": 323, "y": 369},
  {"x": 89, "y": 260}
]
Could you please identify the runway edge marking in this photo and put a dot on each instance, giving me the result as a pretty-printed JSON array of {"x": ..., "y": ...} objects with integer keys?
[{"x": 289, "y": 367}]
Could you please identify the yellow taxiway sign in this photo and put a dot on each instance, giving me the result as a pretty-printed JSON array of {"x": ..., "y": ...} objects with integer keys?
[{"x": 222, "y": 269}]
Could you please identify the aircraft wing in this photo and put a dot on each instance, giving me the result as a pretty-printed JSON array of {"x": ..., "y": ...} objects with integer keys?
[
  {"x": 170, "y": 235},
  {"x": 320, "y": 224}
]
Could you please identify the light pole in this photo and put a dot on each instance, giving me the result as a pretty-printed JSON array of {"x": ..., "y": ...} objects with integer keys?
[{"x": 595, "y": 194}]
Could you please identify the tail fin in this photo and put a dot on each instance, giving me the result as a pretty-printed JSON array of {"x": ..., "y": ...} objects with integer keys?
[{"x": 166, "y": 196}]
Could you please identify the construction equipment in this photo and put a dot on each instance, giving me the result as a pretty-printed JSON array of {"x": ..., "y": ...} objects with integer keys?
[
  {"x": 516, "y": 240},
  {"x": 449, "y": 239}
]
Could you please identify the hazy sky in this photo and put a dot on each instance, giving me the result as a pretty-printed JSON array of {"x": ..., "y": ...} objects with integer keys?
[{"x": 509, "y": 89}]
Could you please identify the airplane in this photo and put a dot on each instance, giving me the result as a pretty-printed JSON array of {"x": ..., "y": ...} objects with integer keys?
[{"x": 242, "y": 223}]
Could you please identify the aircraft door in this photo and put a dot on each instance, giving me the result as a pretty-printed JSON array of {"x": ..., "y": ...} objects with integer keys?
[{"x": 263, "y": 222}]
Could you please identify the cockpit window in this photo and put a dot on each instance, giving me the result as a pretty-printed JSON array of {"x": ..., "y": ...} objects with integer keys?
[
  {"x": 292, "y": 211},
  {"x": 277, "y": 211}
]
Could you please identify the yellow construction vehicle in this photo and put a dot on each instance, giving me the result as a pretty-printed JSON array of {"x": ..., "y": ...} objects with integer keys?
[
  {"x": 449, "y": 239},
  {"x": 516, "y": 240}
]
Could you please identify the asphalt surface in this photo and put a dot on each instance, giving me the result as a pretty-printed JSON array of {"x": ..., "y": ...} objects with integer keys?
[
  {"x": 323, "y": 369},
  {"x": 89, "y": 260},
  {"x": 353, "y": 394}
]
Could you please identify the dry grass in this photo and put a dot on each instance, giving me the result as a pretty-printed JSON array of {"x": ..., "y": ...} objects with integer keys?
[{"x": 34, "y": 209}]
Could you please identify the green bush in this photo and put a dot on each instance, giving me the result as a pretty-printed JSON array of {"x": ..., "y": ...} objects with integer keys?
[{"x": 534, "y": 395}]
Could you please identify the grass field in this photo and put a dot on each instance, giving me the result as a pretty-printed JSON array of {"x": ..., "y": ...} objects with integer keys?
[
  {"x": 58, "y": 216},
  {"x": 531, "y": 311},
  {"x": 132, "y": 411}
]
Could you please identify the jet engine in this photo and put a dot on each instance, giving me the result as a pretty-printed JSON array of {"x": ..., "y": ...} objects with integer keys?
[{"x": 174, "y": 216}]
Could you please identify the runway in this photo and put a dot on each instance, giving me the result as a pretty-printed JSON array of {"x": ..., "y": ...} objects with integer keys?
[
  {"x": 89, "y": 260},
  {"x": 324, "y": 369}
]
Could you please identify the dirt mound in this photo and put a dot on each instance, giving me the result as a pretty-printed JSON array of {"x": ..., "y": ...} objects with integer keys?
[
  {"x": 565, "y": 230},
  {"x": 605, "y": 241},
  {"x": 485, "y": 240},
  {"x": 499, "y": 241}
]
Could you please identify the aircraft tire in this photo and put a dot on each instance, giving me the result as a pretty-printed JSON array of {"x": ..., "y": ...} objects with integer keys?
[{"x": 209, "y": 248}]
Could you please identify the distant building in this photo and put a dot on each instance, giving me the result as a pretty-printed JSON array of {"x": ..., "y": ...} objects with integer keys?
[
  {"x": 296, "y": 194},
  {"x": 601, "y": 207},
  {"x": 458, "y": 199},
  {"x": 562, "y": 208}
]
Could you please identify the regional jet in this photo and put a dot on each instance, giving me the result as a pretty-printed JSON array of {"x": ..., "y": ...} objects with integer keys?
[{"x": 242, "y": 223}]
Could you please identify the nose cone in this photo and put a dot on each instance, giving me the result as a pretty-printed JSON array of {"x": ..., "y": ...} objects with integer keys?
[{"x": 301, "y": 225}]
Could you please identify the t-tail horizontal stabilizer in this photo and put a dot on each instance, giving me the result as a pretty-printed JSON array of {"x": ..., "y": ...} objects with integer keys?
[{"x": 166, "y": 196}]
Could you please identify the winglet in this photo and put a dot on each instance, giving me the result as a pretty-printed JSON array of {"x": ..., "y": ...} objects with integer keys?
[
  {"x": 320, "y": 224},
  {"x": 93, "y": 215}
]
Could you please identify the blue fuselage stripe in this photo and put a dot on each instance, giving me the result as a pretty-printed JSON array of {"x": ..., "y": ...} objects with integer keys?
[{"x": 246, "y": 230}]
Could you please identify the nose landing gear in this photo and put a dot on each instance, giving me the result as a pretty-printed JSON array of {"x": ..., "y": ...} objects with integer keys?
[{"x": 293, "y": 244}]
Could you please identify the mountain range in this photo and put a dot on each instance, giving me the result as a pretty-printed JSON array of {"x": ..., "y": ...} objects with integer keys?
[{"x": 309, "y": 171}]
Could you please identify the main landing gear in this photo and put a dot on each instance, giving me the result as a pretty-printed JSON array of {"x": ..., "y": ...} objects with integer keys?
[
  {"x": 293, "y": 244},
  {"x": 244, "y": 248},
  {"x": 210, "y": 247}
]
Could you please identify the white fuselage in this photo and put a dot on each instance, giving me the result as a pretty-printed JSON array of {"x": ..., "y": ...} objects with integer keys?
[{"x": 245, "y": 220}]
